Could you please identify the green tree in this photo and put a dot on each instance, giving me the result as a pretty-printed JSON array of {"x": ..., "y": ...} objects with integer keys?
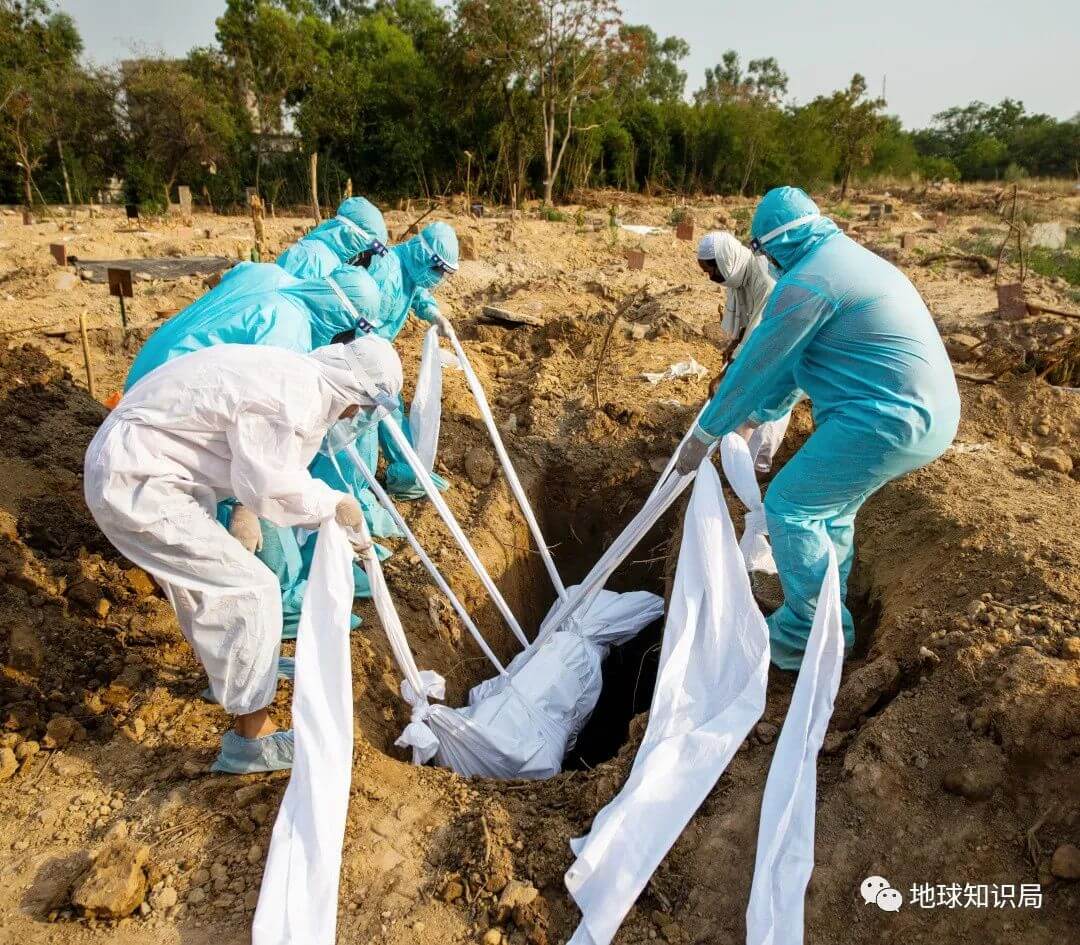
[
  {"x": 855, "y": 122},
  {"x": 274, "y": 47},
  {"x": 176, "y": 126},
  {"x": 38, "y": 50}
]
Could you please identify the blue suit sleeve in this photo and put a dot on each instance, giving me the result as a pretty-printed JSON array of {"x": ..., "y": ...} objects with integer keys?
[
  {"x": 761, "y": 381},
  {"x": 424, "y": 305}
]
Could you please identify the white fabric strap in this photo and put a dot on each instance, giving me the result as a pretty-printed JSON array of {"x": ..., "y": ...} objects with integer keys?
[
  {"x": 425, "y": 414},
  {"x": 355, "y": 227},
  {"x": 785, "y": 846},
  {"x": 710, "y": 690},
  {"x": 667, "y": 489},
  {"x": 508, "y": 467},
  {"x": 387, "y": 503},
  {"x": 790, "y": 225},
  {"x": 299, "y": 894},
  {"x": 455, "y": 529},
  {"x": 739, "y": 469},
  {"x": 344, "y": 299},
  {"x": 766, "y": 440}
]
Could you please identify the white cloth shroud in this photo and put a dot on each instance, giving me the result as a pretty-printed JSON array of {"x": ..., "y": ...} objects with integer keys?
[
  {"x": 521, "y": 725},
  {"x": 298, "y": 899},
  {"x": 785, "y": 847},
  {"x": 765, "y": 440},
  {"x": 710, "y": 691},
  {"x": 688, "y": 368},
  {"x": 425, "y": 413},
  {"x": 738, "y": 465}
]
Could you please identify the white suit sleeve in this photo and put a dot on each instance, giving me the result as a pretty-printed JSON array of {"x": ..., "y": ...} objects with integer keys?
[{"x": 269, "y": 475}]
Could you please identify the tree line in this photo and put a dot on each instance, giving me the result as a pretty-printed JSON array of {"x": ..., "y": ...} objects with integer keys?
[{"x": 507, "y": 99}]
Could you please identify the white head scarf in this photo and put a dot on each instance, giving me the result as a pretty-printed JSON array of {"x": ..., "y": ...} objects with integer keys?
[
  {"x": 366, "y": 371},
  {"x": 730, "y": 256}
]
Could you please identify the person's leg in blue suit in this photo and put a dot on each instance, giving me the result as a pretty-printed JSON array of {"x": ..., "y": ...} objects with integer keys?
[
  {"x": 401, "y": 482},
  {"x": 812, "y": 502}
]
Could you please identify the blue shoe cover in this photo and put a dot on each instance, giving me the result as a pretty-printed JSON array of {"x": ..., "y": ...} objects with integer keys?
[{"x": 241, "y": 755}]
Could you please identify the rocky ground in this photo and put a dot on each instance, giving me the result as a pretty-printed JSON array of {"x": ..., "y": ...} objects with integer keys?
[{"x": 953, "y": 753}]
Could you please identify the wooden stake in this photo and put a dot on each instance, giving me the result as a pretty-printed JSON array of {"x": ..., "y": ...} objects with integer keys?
[
  {"x": 257, "y": 225},
  {"x": 90, "y": 386},
  {"x": 315, "y": 187}
]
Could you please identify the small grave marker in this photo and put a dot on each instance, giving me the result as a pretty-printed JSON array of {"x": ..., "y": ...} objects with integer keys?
[
  {"x": 909, "y": 241},
  {"x": 120, "y": 286},
  {"x": 876, "y": 211},
  {"x": 1011, "y": 302},
  {"x": 685, "y": 230},
  {"x": 59, "y": 253},
  {"x": 132, "y": 211},
  {"x": 635, "y": 259},
  {"x": 467, "y": 246},
  {"x": 476, "y": 209}
]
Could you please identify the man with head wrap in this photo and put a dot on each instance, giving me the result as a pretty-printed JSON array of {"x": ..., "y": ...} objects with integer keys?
[
  {"x": 747, "y": 286},
  {"x": 851, "y": 331},
  {"x": 243, "y": 421}
]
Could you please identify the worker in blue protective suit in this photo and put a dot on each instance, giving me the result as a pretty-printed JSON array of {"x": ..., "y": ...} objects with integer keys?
[
  {"x": 423, "y": 262},
  {"x": 357, "y": 235},
  {"x": 405, "y": 276},
  {"x": 848, "y": 329},
  {"x": 300, "y": 315}
]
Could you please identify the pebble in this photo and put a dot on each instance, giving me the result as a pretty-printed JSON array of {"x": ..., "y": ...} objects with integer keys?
[
  {"x": 200, "y": 877},
  {"x": 165, "y": 898},
  {"x": 196, "y": 896},
  {"x": 1065, "y": 863},
  {"x": 8, "y": 763},
  {"x": 1055, "y": 459},
  {"x": 1070, "y": 648},
  {"x": 479, "y": 467},
  {"x": 766, "y": 732},
  {"x": 255, "y": 854}
]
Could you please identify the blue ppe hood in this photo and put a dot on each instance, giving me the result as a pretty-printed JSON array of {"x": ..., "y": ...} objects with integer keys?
[
  {"x": 772, "y": 225},
  {"x": 299, "y": 314},
  {"x": 418, "y": 256},
  {"x": 358, "y": 223}
]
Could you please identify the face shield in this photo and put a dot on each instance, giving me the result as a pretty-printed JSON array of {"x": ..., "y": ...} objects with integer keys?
[
  {"x": 342, "y": 433},
  {"x": 758, "y": 243},
  {"x": 435, "y": 266}
]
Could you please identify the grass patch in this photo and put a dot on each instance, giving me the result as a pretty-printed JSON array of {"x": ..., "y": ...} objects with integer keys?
[
  {"x": 1051, "y": 263},
  {"x": 552, "y": 215}
]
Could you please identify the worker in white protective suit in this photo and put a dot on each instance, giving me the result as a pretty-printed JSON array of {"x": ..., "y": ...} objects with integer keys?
[
  {"x": 748, "y": 286},
  {"x": 243, "y": 421}
]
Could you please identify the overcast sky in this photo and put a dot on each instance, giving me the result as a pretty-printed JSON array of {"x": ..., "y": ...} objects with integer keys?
[{"x": 930, "y": 53}]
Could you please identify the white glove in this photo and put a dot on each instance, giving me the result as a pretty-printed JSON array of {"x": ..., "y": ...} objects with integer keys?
[
  {"x": 442, "y": 323},
  {"x": 350, "y": 516},
  {"x": 690, "y": 456},
  {"x": 244, "y": 527}
]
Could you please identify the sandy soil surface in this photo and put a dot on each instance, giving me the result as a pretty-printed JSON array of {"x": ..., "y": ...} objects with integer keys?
[{"x": 953, "y": 753}]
